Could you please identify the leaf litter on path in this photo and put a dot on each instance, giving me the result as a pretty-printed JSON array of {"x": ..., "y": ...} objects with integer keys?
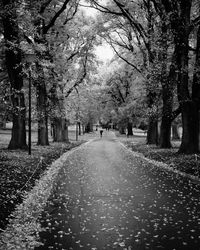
[{"x": 105, "y": 198}]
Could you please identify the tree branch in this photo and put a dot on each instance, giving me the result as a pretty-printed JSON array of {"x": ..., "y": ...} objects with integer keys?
[
  {"x": 195, "y": 23},
  {"x": 175, "y": 113},
  {"x": 76, "y": 84},
  {"x": 72, "y": 55},
  {"x": 102, "y": 9},
  {"x": 73, "y": 14},
  {"x": 131, "y": 64},
  {"x": 44, "y": 6},
  {"x": 53, "y": 20}
]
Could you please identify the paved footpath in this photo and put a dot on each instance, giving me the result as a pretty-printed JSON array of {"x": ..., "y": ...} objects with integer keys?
[{"x": 105, "y": 198}]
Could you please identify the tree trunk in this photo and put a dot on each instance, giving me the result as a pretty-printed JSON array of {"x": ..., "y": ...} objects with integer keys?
[
  {"x": 79, "y": 128},
  {"x": 190, "y": 119},
  {"x": 152, "y": 132},
  {"x": 165, "y": 133},
  {"x": 129, "y": 129},
  {"x": 196, "y": 78},
  {"x": 42, "y": 113},
  {"x": 89, "y": 127},
  {"x": 167, "y": 90},
  {"x": 122, "y": 130},
  {"x": 18, "y": 138},
  {"x": 60, "y": 130},
  {"x": 14, "y": 69},
  {"x": 165, "y": 129},
  {"x": 83, "y": 128},
  {"x": 189, "y": 110}
]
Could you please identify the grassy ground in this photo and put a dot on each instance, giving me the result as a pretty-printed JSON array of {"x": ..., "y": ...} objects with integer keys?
[
  {"x": 189, "y": 164},
  {"x": 19, "y": 171}
]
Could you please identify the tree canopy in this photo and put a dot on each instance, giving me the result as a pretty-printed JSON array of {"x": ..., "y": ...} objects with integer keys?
[{"x": 153, "y": 77}]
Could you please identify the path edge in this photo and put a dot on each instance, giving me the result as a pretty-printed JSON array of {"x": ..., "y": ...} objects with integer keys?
[
  {"x": 22, "y": 231},
  {"x": 162, "y": 165}
]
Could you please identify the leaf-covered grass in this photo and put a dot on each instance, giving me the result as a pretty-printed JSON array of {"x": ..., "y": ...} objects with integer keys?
[
  {"x": 189, "y": 164},
  {"x": 19, "y": 171}
]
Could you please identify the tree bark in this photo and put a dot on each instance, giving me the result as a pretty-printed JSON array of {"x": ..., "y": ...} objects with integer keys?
[
  {"x": 167, "y": 83},
  {"x": 152, "y": 132},
  {"x": 122, "y": 130},
  {"x": 190, "y": 121},
  {"x": 60, "y": 130},
  {"x": 190, "y": 117},
  {"x": 165, "y": 129},
  {"x": 165, "y": 133},
  {"x": 196, "y": 79},
  {"x": 14, "y": 69},
  {"x": 129, "y": 129},
  {"x": 42, "y": 112},
  {"x": 89, "y": 127},
  {"x": 79, "y": 128}
]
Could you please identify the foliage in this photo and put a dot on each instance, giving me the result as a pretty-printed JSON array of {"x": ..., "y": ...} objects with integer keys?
[{"x": 123, "y": 98}]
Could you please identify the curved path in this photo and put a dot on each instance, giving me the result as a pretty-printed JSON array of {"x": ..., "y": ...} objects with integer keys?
[{"x": 105, "y": 198}]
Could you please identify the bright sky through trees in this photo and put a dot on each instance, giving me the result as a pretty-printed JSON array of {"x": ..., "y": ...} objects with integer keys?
[{"x": 104, "y": 51}]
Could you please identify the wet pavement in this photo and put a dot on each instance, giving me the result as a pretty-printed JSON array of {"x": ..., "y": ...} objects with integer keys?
[{"x": 105, "y": 198}]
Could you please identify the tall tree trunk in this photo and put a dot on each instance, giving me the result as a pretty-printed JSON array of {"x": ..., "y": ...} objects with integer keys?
[
  {"x": 190, "y": 110},
  {"x": 167, "y": 89},
  {"x": 83, "y": 129},
  {"x": 130, "y": 129},
  {"x": 190, "y": 120},
  {"x": 196, "y": 78},
  {"x": 79, "y": 128},
  {"x": 190, "y": 117},
  {"x": 14, "y": 69},
  {"x": 165, "y": 133},
  {"x": 42, "y": 113},
  {"x": 60, "y": 128},
  {"x": 121, "y": 129},
  {"x": 165, "y": 130},
  {"x": 152, "y": 132},
  {"x": 89, "y": 127}
]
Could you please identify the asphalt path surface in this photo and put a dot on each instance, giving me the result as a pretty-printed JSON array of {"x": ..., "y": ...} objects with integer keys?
[{"x": 105, "y": 198}]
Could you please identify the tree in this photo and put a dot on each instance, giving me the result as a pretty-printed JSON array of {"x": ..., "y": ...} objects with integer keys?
[
  {"x": 140, "y": 35},
  {"x": 13, "y": 59},
  {"x": 122, "y": 97},
  {"x": 44, "y": 16},
  {"x": 72, "y": 59},
  {"x": 181, "y": 25}
]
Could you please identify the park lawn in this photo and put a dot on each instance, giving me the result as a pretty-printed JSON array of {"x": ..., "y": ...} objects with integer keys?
[
  {"x": 189, "y": 164},
  {"x": 19, "y": 172}
]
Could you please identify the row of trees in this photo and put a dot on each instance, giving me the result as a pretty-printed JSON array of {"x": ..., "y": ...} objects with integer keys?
[
  {"x": 160, "y": 40},
  {"x": 52, "y": 43}
]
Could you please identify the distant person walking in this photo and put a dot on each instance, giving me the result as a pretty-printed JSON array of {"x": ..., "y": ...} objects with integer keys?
[{"x": 101, "y": 133}]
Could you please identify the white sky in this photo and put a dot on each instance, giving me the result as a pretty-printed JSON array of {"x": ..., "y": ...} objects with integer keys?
[{"x": 104, "y": 52}]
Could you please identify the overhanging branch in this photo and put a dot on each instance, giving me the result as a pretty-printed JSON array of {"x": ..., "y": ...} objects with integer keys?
[
  {"x": 175, "y": 113},
  {"x": 44, "y": 6},
  {"x": 77, "y": 83},
  {"x": 124, "y": 59},
  {"x": 53, "y": 20},
  {"x": 101, "y": 8}
]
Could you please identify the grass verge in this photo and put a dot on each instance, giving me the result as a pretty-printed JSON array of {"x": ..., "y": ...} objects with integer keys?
[
  {"x": 20, "y": 171},
  {"x": 189, "y": 164}
]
